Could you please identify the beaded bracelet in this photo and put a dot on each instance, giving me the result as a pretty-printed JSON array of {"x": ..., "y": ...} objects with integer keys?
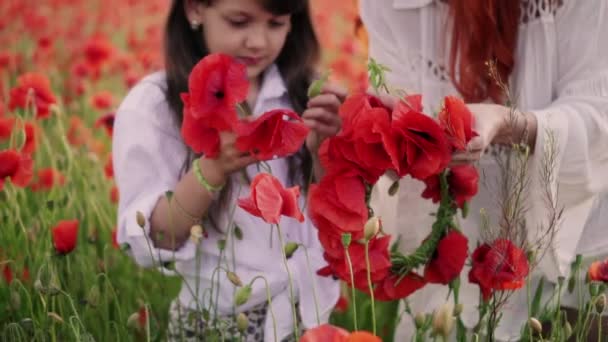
[{"x": 196, "y": 167}]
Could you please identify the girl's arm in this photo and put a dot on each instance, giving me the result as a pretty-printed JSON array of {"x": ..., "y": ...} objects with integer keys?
[{"x": 172, "y": 219}]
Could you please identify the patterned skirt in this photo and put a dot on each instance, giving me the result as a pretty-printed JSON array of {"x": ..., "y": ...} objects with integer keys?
[{"x": 190, "y": 325}]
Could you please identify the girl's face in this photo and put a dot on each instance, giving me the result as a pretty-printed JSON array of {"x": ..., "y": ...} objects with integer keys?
[{"x": 243, "y": 29}]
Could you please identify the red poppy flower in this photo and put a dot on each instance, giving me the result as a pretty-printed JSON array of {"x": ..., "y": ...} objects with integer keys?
[
  {"x": 337, "y": 204},
  {"x": 114, "y": 240},
  {"x": 462, "y": 181},
  {"x": 47, "y": 179},
  {"x": 142, "y": 317},
  {"x": 6, "y": 127},
  {"x": 324, "y": 333},
  {"x": 42, "y": 97},
  {"x": 423, "y": 148},
  {"x": 16, "y": 166},
  {"x": 65, "y": 236},
  {"x": 269, "y": 200},
  {"x": 361, "y": 336},
  {"x": 114, "y": 195},
  {"x": 271, "y": 134},
  {"x": 98, "y": 50},
  {"x": 216, "y": 85},
  {"x": 106, "y": 122},
  {"x": 108, "y": 169},
  {"x": 498, "y": 266},
  {"x": 31, "y": 138},
  {"x": 78, "y": 133},
  {"x": 342, "y": 304},
  {"x": 457, "y": 121},
  {"x": 598, "y": 271},
  {"x": 365, "y": 142},
  {"x": 197, "y": 134},
  {"x": 102, "y": 100},
  {"x": 7, "y": 274},
  {"x": 394, "y": 288},
  {"x": 448, "y": 261}
]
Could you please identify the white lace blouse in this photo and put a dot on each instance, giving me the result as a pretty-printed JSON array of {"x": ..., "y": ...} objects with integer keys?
[{"x": 561, "y": 76}]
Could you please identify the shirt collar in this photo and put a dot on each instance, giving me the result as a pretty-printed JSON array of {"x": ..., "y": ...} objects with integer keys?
[{"x": 273, "y": 85}]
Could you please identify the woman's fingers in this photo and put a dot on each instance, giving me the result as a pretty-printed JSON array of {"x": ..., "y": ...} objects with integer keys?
[
  {"x": 325, "y": 100},
  {"x": 335, "y": 89}
]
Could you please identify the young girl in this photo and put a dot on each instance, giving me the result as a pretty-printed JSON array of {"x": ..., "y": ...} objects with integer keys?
[{"x": 276, "y": 42}]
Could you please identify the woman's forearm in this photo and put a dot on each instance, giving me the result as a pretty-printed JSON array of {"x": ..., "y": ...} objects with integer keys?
[{"x": 171, "y": 220}]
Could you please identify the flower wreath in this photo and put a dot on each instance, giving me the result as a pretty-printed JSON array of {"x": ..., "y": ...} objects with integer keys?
[{"x": 376, "y": 139}]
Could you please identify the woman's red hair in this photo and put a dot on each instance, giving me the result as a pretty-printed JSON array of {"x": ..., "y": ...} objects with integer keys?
[{"x": 483, "y": 30}]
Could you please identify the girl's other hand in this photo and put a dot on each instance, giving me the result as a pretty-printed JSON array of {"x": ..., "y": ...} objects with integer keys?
[{"x": 321, "y": 115}]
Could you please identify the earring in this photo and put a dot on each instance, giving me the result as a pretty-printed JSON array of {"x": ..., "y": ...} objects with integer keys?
[{"x": 194, "y": 25}]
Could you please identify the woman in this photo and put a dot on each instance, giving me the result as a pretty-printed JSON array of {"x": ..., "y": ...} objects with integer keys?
[{"x": 551, "y": 54}]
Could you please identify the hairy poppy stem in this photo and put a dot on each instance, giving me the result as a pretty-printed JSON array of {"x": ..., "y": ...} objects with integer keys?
[
  {"x": 369, "y": 283},
  {"x": 269, "y": 299},
  {"x": 291, "y": 296},
  {"x": 352, "y": 286}
]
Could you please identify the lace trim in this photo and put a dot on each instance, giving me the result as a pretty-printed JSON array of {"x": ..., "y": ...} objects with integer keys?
[{"x": 534, "y": 9}]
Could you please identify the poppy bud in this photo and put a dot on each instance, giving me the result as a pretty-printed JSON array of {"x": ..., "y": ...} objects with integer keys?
[
  {"x": 234, "y": 279},
  {"x": 567, "y": 330},
  {"x": 141, "y": 219},
  {"x": 133, "y": 321},
  {"x": 15, "y": 300},
  {"x": 55, "y": 317},
  {"x": 443, "y": 320},
  {"x": 535, "y": 325},
  {"x": 594, "y": 289},
  {"x": 346, "y": 239},
  {"x": 196, "y": 233},
  {"x": 290, "y": 248},
  {"x": 458, "y": 308},
  {"x": 242, "y": 322},
  {"x": 600, "y": 303},
  {"x": 242, "y": 295},
  {"x": 419, "y": 320},
  {"x": 39, "y": 287},
  {"x": 372, "y": 227},
  {"x": 93, "y": 296},
  {"x": 393, "y": 188}
]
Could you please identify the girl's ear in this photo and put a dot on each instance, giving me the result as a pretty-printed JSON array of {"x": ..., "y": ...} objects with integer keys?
[{"x": 194, "y": 11}]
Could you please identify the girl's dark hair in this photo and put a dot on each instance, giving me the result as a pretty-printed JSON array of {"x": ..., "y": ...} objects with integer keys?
[{"x": 184, "y": 47}]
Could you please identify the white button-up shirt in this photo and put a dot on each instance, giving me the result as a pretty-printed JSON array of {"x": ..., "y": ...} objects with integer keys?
[
  {"x": 148, "y": 155},
  {"x": 561, "y": 76}
]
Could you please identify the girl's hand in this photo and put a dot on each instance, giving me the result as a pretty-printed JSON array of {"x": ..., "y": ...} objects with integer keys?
[
  {"x": 321, "y": 115},
  {"x": 229, "y": 160},
  {"x": 496, "y": 124}
]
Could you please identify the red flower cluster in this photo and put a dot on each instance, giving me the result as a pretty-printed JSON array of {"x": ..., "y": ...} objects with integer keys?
[
  {"x": 217, "y": 84},
  {"x": 16, "y": 166},
  {"x": 39, "y": 87},
  {"x": 375, "y": 139},
  {"x": 498, "y": 266}
]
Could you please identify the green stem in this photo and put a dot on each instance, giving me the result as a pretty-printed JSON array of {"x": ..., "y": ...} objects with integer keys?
[
  {"x": 314, "y": 287},
  {"x": 291, "y": 295},
  {"x": 352, "y": 287},
  {"x": 269, "y": 299},
  {"x": 369, "y": 283}
]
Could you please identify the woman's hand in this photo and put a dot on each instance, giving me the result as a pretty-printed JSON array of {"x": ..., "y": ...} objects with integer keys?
[
  {"x": 321, "y": 115},
  {"x": 229, "y": 160},
  {"x": 496, "y": 124}
]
